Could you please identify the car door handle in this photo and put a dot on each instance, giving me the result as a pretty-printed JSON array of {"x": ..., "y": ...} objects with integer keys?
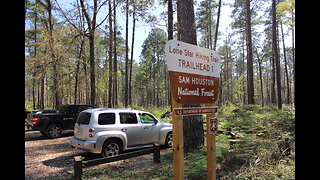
[
  {"x": 124, "y": 129},
  {"x": 146, "y": 127}
]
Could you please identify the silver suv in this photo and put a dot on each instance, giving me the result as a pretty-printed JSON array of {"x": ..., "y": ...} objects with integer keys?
[{"x": 110, "y": 131}]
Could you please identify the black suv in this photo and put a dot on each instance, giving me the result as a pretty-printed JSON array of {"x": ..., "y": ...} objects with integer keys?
[{"x": 52, "y": 124}]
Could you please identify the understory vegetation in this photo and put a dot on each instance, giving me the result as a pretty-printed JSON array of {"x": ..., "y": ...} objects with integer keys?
[{"x": 253, "y": 142}]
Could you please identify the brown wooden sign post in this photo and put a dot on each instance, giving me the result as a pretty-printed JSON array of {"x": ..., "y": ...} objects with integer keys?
[
  {"x": 178, "y": 162},
  {"x": 194, "y": 74},
  {"x": 211, "y": 148}
]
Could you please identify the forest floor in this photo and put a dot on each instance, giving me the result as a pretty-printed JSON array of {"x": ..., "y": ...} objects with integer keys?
[{"x": 262, "y": 147}]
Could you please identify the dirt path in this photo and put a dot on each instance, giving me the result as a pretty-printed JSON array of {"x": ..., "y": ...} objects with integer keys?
[
  {"x": 48, "y": 158},
  {"x": 53, "y": 158}
]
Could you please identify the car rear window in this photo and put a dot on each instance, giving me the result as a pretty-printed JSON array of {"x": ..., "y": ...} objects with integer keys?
[
  {"x": 106, "y": 118},
  {"x": 84, "y": 118},
  {"x": 128, "y": 118}
]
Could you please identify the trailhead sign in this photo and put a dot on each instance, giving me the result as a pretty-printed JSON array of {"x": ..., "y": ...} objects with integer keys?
[{"x": 194, "y": 72}]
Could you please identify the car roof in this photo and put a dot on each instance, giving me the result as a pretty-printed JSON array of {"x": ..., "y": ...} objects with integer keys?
[{"x": 113, "y": 110}]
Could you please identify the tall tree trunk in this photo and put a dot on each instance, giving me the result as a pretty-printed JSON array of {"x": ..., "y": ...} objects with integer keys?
[
  {"x": 127, "y": 58},
  {"x": 56, "y": 87},
  {"x": 92, "y": 28},
  {"x": 275, "y": 52},
  {"x": 42, "y": 91},
  {"x": 38, "y": 91},
  {"x": 249, "y": 55},
  {"x": 293, "y": 59},
  {"x": 243, "y": 81},
  {"x": 92, "y": 71},
  {"x": 77, "y": 72},
  {"x": 170, "y": 20},
  {"x": 132, "y": 46},
  {"x": 77, "y": 82},
  {"x": 115, "y": 68},
  {"x": 33, "y": 90},
  {"x": 192, "y": 125},
  {"x": 35, "y": 55},
  {"x": 157, "y": 80},
  {"x": 267, "y": 85},
  {"x": 217, "y": 27},
  {"x": 170, "y": 36},
  {"x": 286, "y": 67},
  {"x": 110, "y": 98},
  {"x": 260, "y": 76},
  {"x": 273, "y": 81},
  {"x": 87, "y": 101}
]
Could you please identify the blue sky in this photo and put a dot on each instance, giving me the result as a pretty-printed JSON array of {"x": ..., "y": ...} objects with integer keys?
[{"x": 143, "y": 29}]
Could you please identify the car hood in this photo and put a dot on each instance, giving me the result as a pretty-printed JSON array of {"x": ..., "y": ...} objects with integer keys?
[{"x": 164, "y": 124}]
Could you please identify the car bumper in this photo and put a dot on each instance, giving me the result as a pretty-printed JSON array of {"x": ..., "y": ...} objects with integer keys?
[{"x": 87, "y": 145}]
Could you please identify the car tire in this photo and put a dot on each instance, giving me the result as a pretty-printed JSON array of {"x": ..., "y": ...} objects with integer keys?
[
  {"x": 54, "y": 131},
  {"x": 169, "y": 140},
  {"x": 111, "y": 148}
]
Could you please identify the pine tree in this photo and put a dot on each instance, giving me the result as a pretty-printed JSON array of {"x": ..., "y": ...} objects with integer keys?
[
  {"x": 249, "y": 55},
  {"x": 192, "y": 125}
]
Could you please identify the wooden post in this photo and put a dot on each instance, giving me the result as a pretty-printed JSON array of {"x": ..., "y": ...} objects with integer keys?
[
  {"x": 211, "y": 148},
  {"x": 178, "y": 157},
  {"x": 77, "y": 166},
  {"x": 156, "y": 153}
]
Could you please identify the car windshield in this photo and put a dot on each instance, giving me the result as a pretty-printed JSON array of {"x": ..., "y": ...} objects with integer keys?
[
  {"x": 146, "y": 118},
  {"x": 84, "y": 118}
]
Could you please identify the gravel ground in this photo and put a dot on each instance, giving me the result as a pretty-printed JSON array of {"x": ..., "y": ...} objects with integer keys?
[
  {"x": 53, "y": 158},
  {"x": 48, "y": 158}
]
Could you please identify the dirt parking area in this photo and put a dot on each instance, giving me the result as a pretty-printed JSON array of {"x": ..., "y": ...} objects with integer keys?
[
  {"x": 53, "y": 158},
  {"x": 48, "y": 158}
]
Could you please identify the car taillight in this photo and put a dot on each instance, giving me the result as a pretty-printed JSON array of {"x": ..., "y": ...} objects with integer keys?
[
  {"x": 91, "y": 130},
  {"x": 35, "y": 120}
]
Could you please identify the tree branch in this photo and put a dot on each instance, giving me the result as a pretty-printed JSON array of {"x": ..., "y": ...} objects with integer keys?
[
  {"x": 64, "y": 15},
  {"x": 85, "y": 14}
]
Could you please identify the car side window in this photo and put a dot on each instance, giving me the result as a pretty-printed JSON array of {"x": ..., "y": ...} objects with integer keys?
[
  {"x": 106, "y": 118},
  {"x": 146, "y": 118},
  {"x": 84, "y": 118},
  {"x": 128, "y": 118}
]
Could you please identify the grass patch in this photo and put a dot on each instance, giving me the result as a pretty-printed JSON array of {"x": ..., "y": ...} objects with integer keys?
[
  {"x": 253, "y": 154},
  {"x": 140, "y": 170}
]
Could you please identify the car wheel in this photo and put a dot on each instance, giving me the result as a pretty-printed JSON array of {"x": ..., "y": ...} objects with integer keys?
[
  {"x": 111, "y": 148},
  {"x": 54, "y": 131},
  {"x": 169, "y": 140}
]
